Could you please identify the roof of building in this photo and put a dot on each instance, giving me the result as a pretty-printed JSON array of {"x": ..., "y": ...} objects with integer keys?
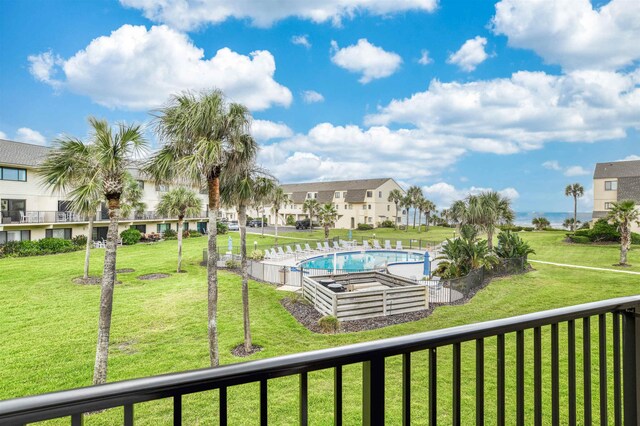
[
  {"x": 342, "y": 185},
  {"x": 21, "y": 154},
  {"x": 617, "y": 169},
  {"x": 629, "y": 188}
]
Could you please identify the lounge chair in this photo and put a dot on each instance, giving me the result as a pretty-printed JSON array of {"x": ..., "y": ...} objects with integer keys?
[
  {"x": 336, "y": 246},
  {"x": 267, "y": 254},
  {"x": 274, "y": 255},
  {"x": 365, "y": 245},
  {"x": 376, "y": 245},
  {"x": 307, "y": 248},
  {"x": 319, "y": 246},
  {"x": 290, "y": 252},
  {"x": 398, "y": 245},
  {"x": 299, "y": 249},
  {"x": 387, "y": 244},
  {"x": 281, "y": 253},
  {"x": 326, "y": 246}
]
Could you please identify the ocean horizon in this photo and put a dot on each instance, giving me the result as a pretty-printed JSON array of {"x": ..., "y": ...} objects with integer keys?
[{"x": 556, "y": 218}]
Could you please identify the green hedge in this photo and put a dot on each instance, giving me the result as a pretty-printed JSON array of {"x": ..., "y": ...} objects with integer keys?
[
  {"x": 38, "y": 248},
  {"x": 364, "y": 227},
  {"x": 387, "y": 224},
  {"x": 579, "y": 239},
  {"x": 130, "y": 236}
]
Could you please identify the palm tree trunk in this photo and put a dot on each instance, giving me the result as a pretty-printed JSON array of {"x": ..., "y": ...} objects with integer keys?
[
  {"x": 276, "y": 236},
  {"x": 407, "y": 228},
  {"x": 624, "y": 244},
  {"x": 414, "y": 218},
  {"x": 212, "y": 270},
  {"x": 180, "y": 221},
  {"x": 575, "y": 213},
  {"x": 262, "y": 221},
  {"x": 326, "y": 232},
  {"x": 88, "y": 249},
  {"x": 395, "y": 225},
  {"x": 490, "y": 238},
  {"x": 242, "y": 216},
  {"x": 427, "y": 217},
  {"x": 106, "y": 295}
]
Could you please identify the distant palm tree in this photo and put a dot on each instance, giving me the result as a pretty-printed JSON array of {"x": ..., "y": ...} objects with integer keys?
[
  {"x": 458, "y": 212},
  {"x": 327, "y": 215},
  {"x": 540, "y": 223},
  {"x": 427, "y": 208},
  {"x": 200, "y": 133},
  {"x": 240, "y": 188},
  {"x": 624, "y": 213},
  {"x": 569, "y": 223},
  {"x": 576, "y": 191},
  {"x": 278, "y": 200},
  {"x": 417, "y": 205},
  {"x": 97, "y": 167},
  {"x": 406, "y": 203},
  {"x": 310, "y": 206},
  {"x": 415, "y": 193},
  {"x": 179, "y": 202},
  {"x": 395, "y": 196},
  {"x": 486, "y": 211},
  {"x": 131, "y": 200}
]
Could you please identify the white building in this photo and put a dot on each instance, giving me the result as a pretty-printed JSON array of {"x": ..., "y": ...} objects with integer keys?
[{"x": 615, "y": 181}]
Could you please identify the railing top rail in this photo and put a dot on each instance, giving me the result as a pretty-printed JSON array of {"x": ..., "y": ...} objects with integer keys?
[{"x": 64, "y": 403}]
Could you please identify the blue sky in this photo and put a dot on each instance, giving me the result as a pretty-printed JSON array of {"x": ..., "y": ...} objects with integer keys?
[{"x": 453, "y": 96}]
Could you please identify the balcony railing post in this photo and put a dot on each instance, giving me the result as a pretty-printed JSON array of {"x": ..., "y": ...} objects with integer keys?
[
  {"x": 631, "y": 366},
  {"x": 373, "y": 391}
]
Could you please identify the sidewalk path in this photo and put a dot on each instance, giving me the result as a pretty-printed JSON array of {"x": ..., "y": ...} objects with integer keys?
[{"x": 585, "y": 267}]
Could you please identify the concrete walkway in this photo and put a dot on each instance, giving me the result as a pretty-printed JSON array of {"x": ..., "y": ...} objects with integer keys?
[{"x": 592, "y": 268}]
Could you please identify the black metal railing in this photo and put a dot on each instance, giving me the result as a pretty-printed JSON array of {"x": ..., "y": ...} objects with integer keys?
[{"x": 622, "y": 361}]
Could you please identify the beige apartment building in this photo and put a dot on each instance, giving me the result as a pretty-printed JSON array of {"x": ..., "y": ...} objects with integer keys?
[
  {"x": 615, "y": 181},
  {"x": 356, "y": 201},
  {"x": 30, "y": 211}
]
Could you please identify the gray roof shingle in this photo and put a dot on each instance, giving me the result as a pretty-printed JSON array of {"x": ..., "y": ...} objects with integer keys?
[
  {"x": 617, "y": 169},
  {"x": 21, "y": 154},
  {"x": 327, "y": 187}
]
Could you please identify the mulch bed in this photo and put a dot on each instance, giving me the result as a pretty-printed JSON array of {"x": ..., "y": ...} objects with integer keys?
[
  {"x": 124, "y": 270},
  {"x": 90, "y": 281},
  {"x": 240, "y": 352},
  {"x": 306, "y": 315},
  {"x": 156, "y": 276}
]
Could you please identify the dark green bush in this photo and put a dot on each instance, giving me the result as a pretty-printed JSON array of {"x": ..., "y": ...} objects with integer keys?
[
  {"x": 387, "y": 224},
  {"x": 329, "y": 324},
  {"x": 49, "y": 246},
  {"x": 11, "y": 248},
  {"x": 170, "y": 234},
  {"x": 578, "y": 239},
  {"x": 635, "y": 238},
  {"x": 604, "y": 231},
  {"x": 222, "y": 228},
  {"x": 527, "y": 228},
  {"x": 194, "y": 234},
  {"x": 364, "y": 227},
  {"x": 290, "y": 220},
  {"x": 130, "y": 237},
  {"x": 32, "y": 248},
  {"x": 79, "y": 240},
  {"x": 583, "y": 233}
]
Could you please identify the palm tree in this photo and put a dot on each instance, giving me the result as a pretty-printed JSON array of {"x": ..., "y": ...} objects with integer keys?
[
  {"x": 327, "y": 215},
  {"x": 415, "y": 193},
  {"x": 406, "y": 203},
  {"x": 200, "y": 133},
  {"x": 624, "y": 213},
  {"x": 241, "y": 187},
  {"x": 458, "y": 212},
  {"x": 569, "y": 223},
  {"x": 486, "y": 211},
  {"x": 278, "y": 199},
  {"x": 395, "y": 196},
  {"x": 179, "y": 202},
  {"x": 97, "y": 167},
  {"x": 540, "y": 223},
  {"x": 427, "y": 206},
  {"x": 418, "y": 204},
  {"x": 574, "y": 190},
  {"x": 310, "y": 206},
  {"x": 131, "y": 200}
]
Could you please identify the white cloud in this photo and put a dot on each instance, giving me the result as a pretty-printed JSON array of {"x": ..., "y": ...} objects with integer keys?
[
  {"x": 190, "y": 14},
  {"x": 586, "y": 201},
  {"x": 571, "y": 32},
  {"x": 263, "y": 130},
  {"x": 311, "y": 96},
  {"x": 470, "y": 54},
  {"x": 631, "y": 157},
  {"x": 301, "y": 40},
  {"x": 27, "y": 135},
  {"x": 371, "y": 61},
  {"x": 576, "y": 171},
  {"x": 552, "y": 165},
  {"x": 424, "y": 58},
  {"x": 444, "y": 194},
  {"x": 523, "y": 112},
  {"x": 135, "y": 68},
  {"x": 3, "y": 135}
]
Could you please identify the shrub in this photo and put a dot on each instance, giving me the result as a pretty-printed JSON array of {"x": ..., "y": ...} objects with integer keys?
[
  {"x": 32, "y": 248},
  {"x": 222, "y": 228},
  {"x": 579, "y": 239},
  {"x": 635, "y": 238},
  {"x": 232, "y": 264},
  {"x": 130, "y": 237},
  {"x": 290, "y": 220},
  {"x": 582, "y": 233},
  {"x": 527, "y": 228},
  {"x": 11, "y": 248},
  {"x": 170, "y": 234},
  {"x": 79, "y": 240},
  {"x": 604, "y": 231},
  {"x": 47, "y": 246},
  {"x": 194, "y": 234},
  {"x": 510, "y": 245},
  {"x": 387, "y": 224},
  {"x": 329, "y": 324},
  {"x": 256, "y": 255},
  {"x": 364, "y": 227}
]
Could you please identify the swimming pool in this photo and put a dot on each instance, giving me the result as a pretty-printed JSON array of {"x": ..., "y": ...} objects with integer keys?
[{"x": 355, "y": 261}]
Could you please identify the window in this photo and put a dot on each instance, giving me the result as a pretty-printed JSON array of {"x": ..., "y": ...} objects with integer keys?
[
  {"x": 140, "y": 184},
  {"x": 337, "y": 195},
  {"x": 99, "y": 233},
  {"x": 610, "y": 185},
  {"x": 6, "y": 236},
  {"x": 14, "y": 209},
  {"x": 379, "y": 194},
  {"x": 62, "y": 233},
  {"x": 162, "y": 188},
  {"x": 388, "y": 207},
  {"x": 608, "y": 206},
  {"x": 9, "y": 173},
  {"x": 370, "y": 220},
  {"x": 369, "y": 206},
  {"x": 141, "y": 228},
  {"x": 369, "y": 194},
  {"x": 162, "y": 227}
]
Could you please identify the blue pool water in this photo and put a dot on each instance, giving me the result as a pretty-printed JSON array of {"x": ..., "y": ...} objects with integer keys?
[{"x": 360, "y": 261}]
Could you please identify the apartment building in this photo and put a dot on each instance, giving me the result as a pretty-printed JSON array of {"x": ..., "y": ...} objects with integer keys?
[
  {"x": 615, "y": 181},
  {"x": 356, "y": 201},
  {"x": 30, "y": 211}
]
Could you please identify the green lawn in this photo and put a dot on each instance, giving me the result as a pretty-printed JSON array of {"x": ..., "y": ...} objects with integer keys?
[{"x": 48, "y": 331}]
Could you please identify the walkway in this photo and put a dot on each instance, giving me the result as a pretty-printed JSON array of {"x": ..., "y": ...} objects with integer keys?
[{"x": 592, "y": 268}]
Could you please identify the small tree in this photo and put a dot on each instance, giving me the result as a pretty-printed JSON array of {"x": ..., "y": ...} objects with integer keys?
[
  {"x": 310, "y": 206},
  {"x": 179, "y": 202},
  {"x": 540, "y": 223},
  {"x": 327, "y": 214},
  {"x": 570, "y": 224},
  {"x": 415, "y": 194},
  {"x": 406, "y": 203},
  {"x": 395, "y": 197},
  {"x": 278, "y": 199},
  {"x": 576, "y": 191},
  {"x": 624, "y": 213}
]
